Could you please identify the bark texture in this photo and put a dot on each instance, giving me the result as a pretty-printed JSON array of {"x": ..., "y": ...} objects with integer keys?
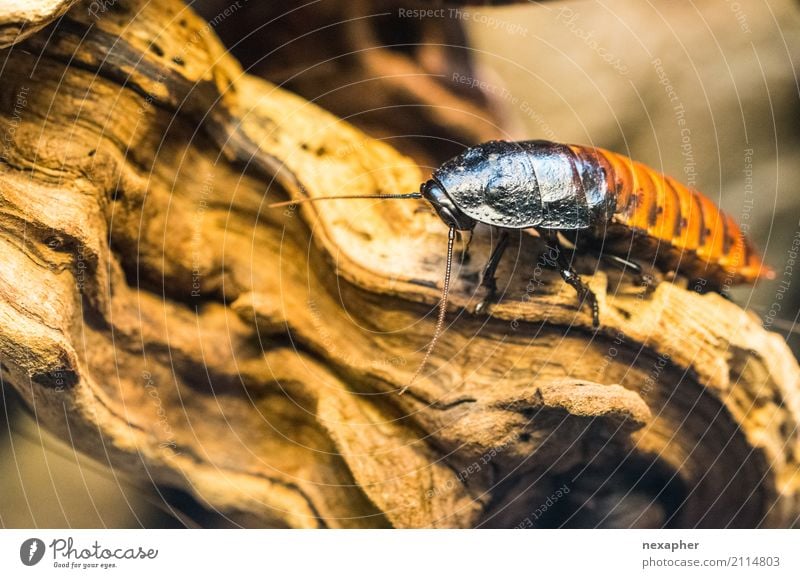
[{"x": 155, "y": 313}]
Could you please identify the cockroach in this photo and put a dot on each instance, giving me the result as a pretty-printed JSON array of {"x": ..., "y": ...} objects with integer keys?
[{"x": 598, "y": 200}]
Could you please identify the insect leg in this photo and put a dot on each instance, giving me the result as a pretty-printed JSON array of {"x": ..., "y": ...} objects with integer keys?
[
  {"x": 644, "y": 279},
  {"x": 488, "y": 279},
  {"x": 465, "y": 245},
  {"x": 570, "y": 276}
]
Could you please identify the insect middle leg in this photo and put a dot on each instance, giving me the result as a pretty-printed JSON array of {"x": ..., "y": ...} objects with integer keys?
[
  {"x": 488, "y": 278},
  {"x": 570, "y": 276}
]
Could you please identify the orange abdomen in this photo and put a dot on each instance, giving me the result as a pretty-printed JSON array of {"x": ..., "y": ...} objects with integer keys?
[{"x": 656, "y": 216}]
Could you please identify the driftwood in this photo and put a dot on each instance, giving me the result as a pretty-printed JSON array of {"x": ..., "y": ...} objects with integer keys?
[{"x": 159, "y": 316}]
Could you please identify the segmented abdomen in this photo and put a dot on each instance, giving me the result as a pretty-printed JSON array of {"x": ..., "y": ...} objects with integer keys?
[{"x": 656, "y": 216}]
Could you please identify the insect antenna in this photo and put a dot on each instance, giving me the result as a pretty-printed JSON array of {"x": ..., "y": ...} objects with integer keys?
[
  {"x": 442, "y": 310},
  {"x": 334, "y": 197}
]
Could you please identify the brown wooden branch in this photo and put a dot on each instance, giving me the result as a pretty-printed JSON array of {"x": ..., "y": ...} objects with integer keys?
[
  {"x": 159, "y": 316},
  {"x": 21, "y": 18}
]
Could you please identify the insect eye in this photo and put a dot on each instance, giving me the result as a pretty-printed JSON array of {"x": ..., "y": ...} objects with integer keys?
[
  {"x": 447, "y": 211},
  {"x": 434, "y": 194},
  {"x": 448, "y": 217}
]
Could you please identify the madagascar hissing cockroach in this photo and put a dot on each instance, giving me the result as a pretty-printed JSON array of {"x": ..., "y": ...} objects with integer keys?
[{"x": 597, "y": 199}]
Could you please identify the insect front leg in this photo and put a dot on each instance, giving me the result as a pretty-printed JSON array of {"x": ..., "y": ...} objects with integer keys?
[
  {"x": 488, "y": 278},
  {"x": 465, "y": 245},
  {"x": 585, "y": 294}
]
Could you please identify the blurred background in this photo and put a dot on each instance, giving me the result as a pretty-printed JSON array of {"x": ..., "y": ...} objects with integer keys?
[{"x": 706, "y": 91}]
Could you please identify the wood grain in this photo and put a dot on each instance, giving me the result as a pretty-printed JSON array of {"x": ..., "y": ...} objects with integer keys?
[{"x": 155, "y": 313}]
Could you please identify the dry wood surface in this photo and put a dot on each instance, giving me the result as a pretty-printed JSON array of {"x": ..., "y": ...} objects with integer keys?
[{"x": 155, "y": 313}]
